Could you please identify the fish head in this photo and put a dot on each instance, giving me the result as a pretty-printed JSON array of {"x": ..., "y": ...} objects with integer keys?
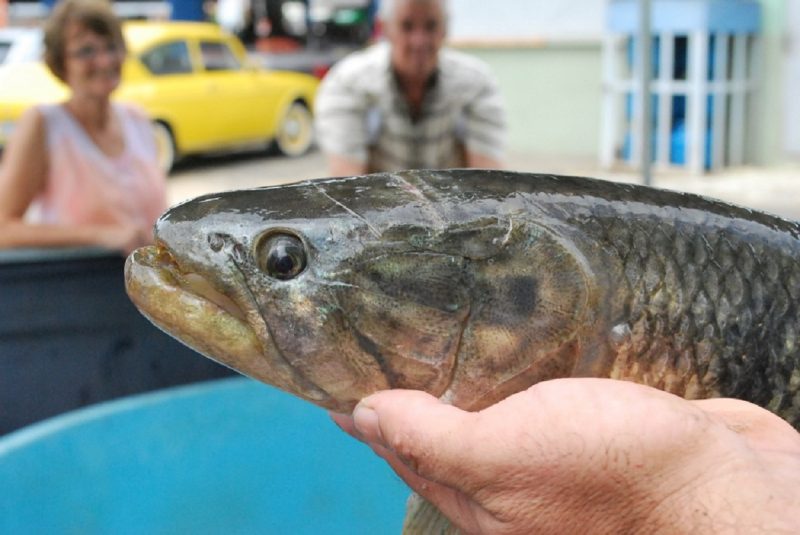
[
  {"x": 333, "y": 290},
  {"x": 281, "y": 284}
]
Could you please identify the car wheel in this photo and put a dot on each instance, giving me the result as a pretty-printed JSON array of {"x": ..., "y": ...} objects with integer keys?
[
  {"x": 165, "y": 145},
  {"x": 296, "y": 130}
]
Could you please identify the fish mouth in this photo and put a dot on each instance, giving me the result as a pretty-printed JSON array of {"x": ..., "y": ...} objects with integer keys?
[{"x": 186, "y": 306}]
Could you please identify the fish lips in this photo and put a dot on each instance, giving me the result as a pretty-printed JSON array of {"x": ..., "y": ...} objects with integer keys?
[{"x": 188, "y": 307}]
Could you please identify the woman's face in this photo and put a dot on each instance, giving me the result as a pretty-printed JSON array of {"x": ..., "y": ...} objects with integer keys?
[{"x": 92, "y": 63}]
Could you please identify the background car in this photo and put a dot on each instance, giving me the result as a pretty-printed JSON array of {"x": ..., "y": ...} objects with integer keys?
[
  {"x": 21, "y": 44},
  {"x": 196, "y": 83}
]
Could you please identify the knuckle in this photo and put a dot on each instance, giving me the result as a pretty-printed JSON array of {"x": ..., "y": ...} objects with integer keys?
[{"x": 412, "y": 453}]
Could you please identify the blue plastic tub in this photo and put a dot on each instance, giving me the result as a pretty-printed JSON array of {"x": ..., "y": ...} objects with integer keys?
[{"x": 228, "y": 456}]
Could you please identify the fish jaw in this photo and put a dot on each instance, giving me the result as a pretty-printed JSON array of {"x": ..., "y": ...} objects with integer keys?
[
  {"x": 188, "y": 308},
  {"x": 153, "y": 282}
]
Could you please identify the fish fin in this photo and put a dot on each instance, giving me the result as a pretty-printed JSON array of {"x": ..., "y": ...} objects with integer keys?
[{"x": 423, "y": 518}]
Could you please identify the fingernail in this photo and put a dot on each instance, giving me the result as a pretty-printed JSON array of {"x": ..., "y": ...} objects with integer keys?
[{"x": 367, "y": 423}]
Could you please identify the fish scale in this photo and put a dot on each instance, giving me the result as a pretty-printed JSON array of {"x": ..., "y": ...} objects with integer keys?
[{"x": 697, "y": 303}]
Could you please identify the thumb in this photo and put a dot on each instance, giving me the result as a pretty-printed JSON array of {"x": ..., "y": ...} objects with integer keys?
[
  {"x": 391, "y": 417},
  {"x": 425, "y": 442},
  {"x": 421, "y": 430}
]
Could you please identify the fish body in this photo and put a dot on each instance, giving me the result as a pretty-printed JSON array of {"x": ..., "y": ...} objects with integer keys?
[{"x": 475, "y": 284}]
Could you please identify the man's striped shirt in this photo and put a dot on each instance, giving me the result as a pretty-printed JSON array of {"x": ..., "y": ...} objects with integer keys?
[{"x": 362, "y": 116}]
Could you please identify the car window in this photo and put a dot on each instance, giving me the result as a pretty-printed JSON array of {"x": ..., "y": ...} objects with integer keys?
[
  {"x": 169, "y": 58},
  {"x": 218, "y": 56}
]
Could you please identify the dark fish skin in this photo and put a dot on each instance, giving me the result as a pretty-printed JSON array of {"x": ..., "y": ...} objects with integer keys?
[
  {"x": 474, "y": 284},
  {"x": 711, "y": 295}
]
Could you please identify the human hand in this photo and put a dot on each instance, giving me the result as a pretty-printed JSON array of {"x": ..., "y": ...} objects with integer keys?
[{"x": 590, "y": 455}]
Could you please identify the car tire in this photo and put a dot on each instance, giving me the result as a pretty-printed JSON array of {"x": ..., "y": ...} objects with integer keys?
[
  {"x": 165, "y": 144},
  {"x": 295, "y": 132}
]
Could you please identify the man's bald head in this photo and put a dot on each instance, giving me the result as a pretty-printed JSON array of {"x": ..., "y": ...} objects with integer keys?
[{"x": 388, "y": 9}]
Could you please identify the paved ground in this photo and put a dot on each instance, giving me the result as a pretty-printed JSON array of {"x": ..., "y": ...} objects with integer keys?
[{"x": 775, "y": 190}]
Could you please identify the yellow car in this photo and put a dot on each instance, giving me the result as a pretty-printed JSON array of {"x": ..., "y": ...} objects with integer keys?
[{"x": 196, "y": 83}]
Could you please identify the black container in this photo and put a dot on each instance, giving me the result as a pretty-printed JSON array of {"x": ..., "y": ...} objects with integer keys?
[{"x": 69, "y": 337}]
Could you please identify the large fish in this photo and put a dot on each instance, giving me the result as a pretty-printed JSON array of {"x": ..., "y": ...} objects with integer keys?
[{"x": 475, "y": 284}]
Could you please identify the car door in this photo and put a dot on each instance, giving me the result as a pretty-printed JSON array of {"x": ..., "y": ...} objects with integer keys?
[
  {"x": 235, "y": 101},
  {"x": 174, "y": 92}
]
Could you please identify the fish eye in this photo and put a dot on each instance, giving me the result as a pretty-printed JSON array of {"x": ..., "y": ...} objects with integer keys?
[{"x": 282, "y": 256}]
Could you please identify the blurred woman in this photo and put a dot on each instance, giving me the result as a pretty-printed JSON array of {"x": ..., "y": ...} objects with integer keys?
[{"x": 84, "y": 171}]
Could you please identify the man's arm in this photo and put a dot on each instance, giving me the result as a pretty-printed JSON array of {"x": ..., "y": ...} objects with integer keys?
[
  {"x": 340, "y": 122},
  {"x": 481, "y": 161},
  {"x": 341, "y": 166}
]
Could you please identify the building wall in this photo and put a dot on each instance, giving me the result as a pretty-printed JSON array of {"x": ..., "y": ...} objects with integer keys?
[
  {"x": 552, "y": 95},
  {"x": 791, "y": 86},
  {"x": 552, "y": 84},
  {"x": 546, "y": 56},
  {"x": 506, "y": 20},
  {"x": 766, "y": 113}
]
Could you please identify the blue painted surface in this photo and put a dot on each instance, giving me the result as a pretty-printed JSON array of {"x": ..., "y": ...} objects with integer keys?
[
  {"x": 228, "y": 456},
  {"x": 187, "y": 10},
  {"x": 736, "y": 16}
]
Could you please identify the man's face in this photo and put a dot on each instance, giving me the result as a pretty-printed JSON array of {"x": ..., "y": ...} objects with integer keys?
[{"x": 416, "y": 33}]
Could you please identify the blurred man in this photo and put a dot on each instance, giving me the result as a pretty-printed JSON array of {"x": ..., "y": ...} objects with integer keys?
[{"x": 408, "y": 103}]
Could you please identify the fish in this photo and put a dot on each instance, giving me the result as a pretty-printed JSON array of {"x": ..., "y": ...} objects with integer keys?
[{"x": 476, "y": 284}]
